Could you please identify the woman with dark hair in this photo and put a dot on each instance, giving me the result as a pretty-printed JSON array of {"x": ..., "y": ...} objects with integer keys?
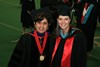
[{"x": 32, "y": 49}]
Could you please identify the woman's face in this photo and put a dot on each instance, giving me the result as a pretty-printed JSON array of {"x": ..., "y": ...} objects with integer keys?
[
  {"x": 63, "y": 22},
  {"x": 42, "y": 26}
]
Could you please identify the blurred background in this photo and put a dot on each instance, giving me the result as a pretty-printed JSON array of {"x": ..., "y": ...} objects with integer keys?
[{"x": 10, "y": 31}]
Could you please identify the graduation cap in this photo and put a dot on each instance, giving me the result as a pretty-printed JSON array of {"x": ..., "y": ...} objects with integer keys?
[
  {"x": 62, "y": 10},
  {"x": 35, "y": 13}
]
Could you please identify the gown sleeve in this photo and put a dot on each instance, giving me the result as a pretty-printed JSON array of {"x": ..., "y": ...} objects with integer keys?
[
  {"x": 79, "y": 51},
  {"x": 18, "y": 53}
]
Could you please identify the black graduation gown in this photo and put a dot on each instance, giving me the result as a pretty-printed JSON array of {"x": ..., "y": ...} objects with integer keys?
[
  {"x": 78, "y": 8},
  {"x": 26, "y": 19},
  {"x": 46, "y": 3},
  {"x": 89, "y": 27},
  {"x": 69, "y": 3},
  {"x": 21, "y": 1},
  {"x": 49, "y": 4},
  {"x": 26, "y": 53},
  {"x": 98, "y": 9},
  {"x": 78, "y": 54}
]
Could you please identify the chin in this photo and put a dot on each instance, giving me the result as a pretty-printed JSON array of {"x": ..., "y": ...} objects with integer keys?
[{"x": 41, "y": 31}]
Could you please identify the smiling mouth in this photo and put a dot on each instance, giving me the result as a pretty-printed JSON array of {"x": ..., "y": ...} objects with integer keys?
[
  {"x": 63, "y": 25},
  {"x": 41, "y": 29}
]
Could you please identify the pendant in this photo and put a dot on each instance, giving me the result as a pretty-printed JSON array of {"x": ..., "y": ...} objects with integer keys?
[{"x": 41, "y": 58}]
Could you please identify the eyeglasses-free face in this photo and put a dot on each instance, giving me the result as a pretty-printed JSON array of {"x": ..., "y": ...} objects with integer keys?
[
  {"x": 42, "y": 26},
  {"x": 63, "y": 21}
]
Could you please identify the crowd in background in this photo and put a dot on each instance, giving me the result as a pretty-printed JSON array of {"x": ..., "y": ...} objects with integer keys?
[
  {"x": 66, "y": 41},
  {"x": 80, "y": 7}
]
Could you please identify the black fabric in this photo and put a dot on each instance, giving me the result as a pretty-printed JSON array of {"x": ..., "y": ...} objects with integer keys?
[
  {"x": 68, "y": 3},
  {"x": 47, "y": 3},
  {"x": 88, "y": 28},
  {"x": 41, "y": 41},
  {"x": 58, "y": 56},
  {"x": 78, "y": 7},
  {"x": 45, "y": 10},
  {"x": 26, "y": 53},
  {"x": 26, "y": 18},
  {"x": 98, "y": 9},
  {"x": 78, "y": 55},
  {"x": 63, "y": 10}
]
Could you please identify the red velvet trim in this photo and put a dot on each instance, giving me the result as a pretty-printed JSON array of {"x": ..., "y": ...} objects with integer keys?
[
  {"x": 56, "y": 46},
  {"x": 65, "y": 62},
  {"x": 41, "y": 49},
  {"x": 85, "y": 9}
]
